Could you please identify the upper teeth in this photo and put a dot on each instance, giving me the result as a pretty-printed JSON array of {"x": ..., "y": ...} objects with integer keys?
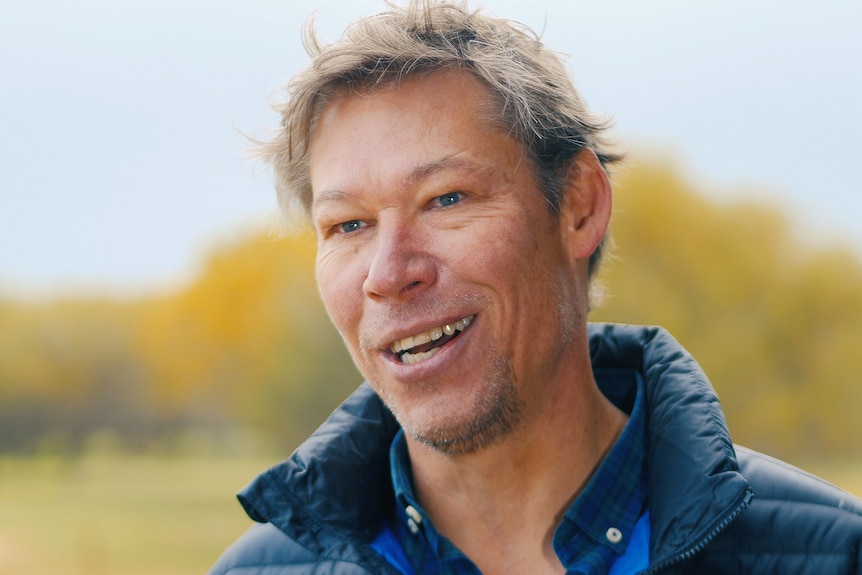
[{"x": 432, "y": 334}]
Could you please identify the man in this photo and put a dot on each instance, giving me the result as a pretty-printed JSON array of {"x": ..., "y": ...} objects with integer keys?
[{"x": 458, "y": 189}]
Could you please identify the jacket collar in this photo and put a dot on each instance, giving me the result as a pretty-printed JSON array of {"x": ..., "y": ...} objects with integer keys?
[
  {"x": 332, "y": 493},
  {"x": 695, "y": 488}
]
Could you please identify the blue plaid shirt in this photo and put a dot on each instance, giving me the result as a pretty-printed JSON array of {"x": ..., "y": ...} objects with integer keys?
[{"x": 594, "y": 533}]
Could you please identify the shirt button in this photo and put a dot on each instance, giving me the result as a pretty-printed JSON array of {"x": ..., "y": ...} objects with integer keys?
[
  {"x": 414, "y": 519},
  {"x": 613, "y": 535}
]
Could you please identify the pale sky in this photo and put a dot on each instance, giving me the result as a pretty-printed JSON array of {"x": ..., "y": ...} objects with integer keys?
[{"x": 122, "y": 162}]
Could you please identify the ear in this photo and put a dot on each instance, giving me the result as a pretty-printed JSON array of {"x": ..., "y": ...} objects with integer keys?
[{"x": 585, "y": 211}]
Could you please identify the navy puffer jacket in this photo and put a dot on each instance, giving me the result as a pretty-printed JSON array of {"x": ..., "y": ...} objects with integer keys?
[{"x": 714, "y": 508}]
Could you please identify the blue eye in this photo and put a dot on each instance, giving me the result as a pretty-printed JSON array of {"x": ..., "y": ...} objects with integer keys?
[
  {"x": 347, "y": 227},
  {"x": 449, "y": 199}
]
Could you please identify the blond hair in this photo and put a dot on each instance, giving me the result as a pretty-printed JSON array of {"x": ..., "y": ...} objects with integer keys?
[{"x": 538, "y": 104}]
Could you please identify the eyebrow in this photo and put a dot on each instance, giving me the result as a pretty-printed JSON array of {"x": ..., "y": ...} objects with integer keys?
[
  {"x": 415, "y": 177},
  {"x": 425, "y": 171},
  {"x": 327, "y": 197}
]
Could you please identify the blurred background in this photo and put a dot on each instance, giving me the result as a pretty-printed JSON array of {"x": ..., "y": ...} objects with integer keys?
[{"x": 160, "y": 344}]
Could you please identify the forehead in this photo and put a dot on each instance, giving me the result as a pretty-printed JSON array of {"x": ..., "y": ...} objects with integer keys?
[
  {"x": 420, "y": 120},
  {"x": 455, "y": 82}
]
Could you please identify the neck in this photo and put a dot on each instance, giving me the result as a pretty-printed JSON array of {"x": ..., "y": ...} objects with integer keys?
[{"x": 502, "y": 504}]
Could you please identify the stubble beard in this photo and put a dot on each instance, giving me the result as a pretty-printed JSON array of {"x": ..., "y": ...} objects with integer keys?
[
  {"x": 495, "y": 415},
  {"x": 499, "y": 409}
]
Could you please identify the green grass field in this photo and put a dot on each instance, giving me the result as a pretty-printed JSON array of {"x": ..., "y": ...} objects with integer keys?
[
  {"x": 123, "y": 515},
  {"x": 119, "y": 515}
]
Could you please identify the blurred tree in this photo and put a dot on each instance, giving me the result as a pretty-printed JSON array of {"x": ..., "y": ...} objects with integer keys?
[
  {"x": 776, "y": 325},
  {"x": 66, "y": 369},
  {"x": 249, "y": 341}
]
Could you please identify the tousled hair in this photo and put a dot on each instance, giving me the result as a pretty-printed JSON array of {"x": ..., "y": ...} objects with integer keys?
[{"x": 538, "y": 104}]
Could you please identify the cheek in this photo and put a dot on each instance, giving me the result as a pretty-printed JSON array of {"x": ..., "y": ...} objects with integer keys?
[
  {"x": 527, "y": 269},
  {"x": 340, "y": 288},
  {"x": 503, "y": 253}
]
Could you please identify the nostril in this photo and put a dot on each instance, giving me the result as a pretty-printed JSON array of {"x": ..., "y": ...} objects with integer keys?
[{"x": 411, "y": 286}]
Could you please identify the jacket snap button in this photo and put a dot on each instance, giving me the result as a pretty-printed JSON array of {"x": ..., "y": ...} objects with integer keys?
[{"x": 614, "y": 535}]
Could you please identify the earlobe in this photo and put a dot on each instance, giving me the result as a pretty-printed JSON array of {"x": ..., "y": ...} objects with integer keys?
[{"x": 585, "y": 212}]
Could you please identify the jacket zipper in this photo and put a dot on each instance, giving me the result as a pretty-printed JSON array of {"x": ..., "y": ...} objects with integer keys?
[{"x": 686, "y": 555}]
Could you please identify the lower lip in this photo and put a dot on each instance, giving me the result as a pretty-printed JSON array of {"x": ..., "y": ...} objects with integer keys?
[{"x": 432, "y": 366}]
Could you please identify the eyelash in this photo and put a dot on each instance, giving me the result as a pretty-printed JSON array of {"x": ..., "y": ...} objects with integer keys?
[{"x": 341, "y": 228}]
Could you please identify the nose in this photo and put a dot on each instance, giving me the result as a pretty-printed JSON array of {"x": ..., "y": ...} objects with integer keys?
[{"x": 401, "y": 264}]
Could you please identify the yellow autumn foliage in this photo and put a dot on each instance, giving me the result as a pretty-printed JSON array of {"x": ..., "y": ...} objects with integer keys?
[{"x": 776, "y": 324}]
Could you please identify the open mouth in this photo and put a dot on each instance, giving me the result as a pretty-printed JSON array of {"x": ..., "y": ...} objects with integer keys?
[{"x": 415, "y": 348}]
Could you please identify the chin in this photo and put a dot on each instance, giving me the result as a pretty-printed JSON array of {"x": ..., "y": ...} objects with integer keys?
[{"x": 458, "y": 426}]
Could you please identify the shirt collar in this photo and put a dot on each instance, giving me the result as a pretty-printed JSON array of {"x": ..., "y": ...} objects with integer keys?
[{"x": 605, "y": 512}]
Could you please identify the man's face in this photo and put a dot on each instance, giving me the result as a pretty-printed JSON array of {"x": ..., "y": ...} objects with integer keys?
[{"x": 438, "y": 258}]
